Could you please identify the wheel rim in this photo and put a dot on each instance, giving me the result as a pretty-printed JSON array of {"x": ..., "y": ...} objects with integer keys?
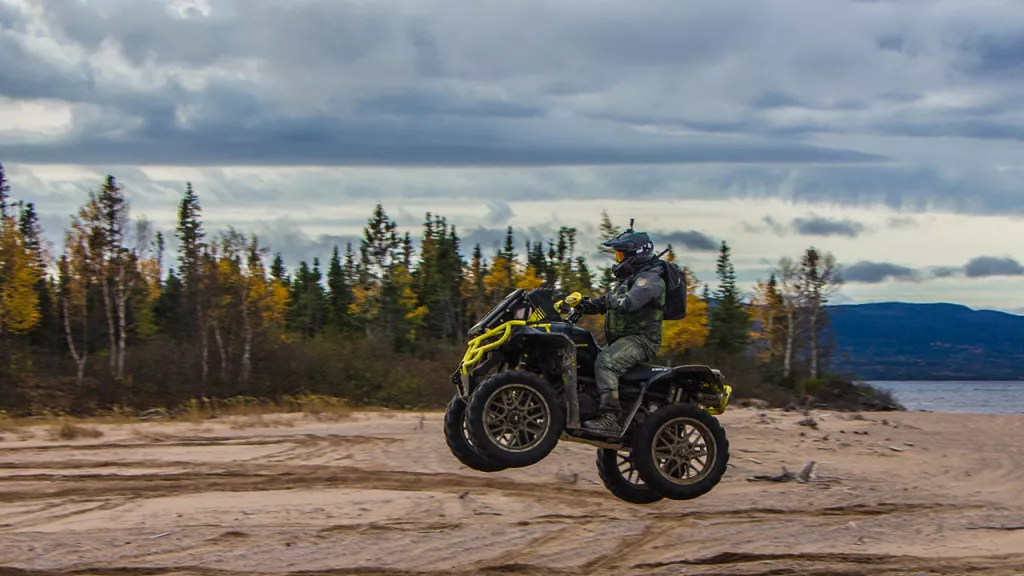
[
  {"x": 684, "y": 451},
  {"x": 628, "y": 471},
  {"x": 517, "y": 418}
]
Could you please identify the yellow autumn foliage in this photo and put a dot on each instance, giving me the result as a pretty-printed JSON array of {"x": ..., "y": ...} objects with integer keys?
[
  {"x": 678, "y": 336},
  {"x": 529, "y": 280},
  {"x": 19, "y": 302},
  {"x": 691, "y": 332}
]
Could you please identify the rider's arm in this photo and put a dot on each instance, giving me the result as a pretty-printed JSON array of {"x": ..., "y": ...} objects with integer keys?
[
  {"x": 598, "y": 305},
  {"x": 647, "y": 288}
]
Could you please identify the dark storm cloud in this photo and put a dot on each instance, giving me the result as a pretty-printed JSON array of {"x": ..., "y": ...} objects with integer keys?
[
  {"x": 810, "y": 225},
  {"x": 820, "y": 226},
  {"x": 318, "y": 141},
  {"x": 690, "y": 239},
  {"x": 792, "y": 107},
  {"x": 418, "y": 103},
  {"x": 985, "y": 266},
  {"x": 865, "y": 272},
  {"x": 947, "y": 271},
  {"x": 405, "y": 85},
  {"x": 994, "y": 54}
]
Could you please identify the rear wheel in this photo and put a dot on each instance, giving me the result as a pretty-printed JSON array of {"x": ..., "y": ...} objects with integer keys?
[
  {"x": 620, "y": 477},
  {"x": 515, "y": 418},
  {"x": 681, "y": 452},
  {"x": 456, "y": 435}
]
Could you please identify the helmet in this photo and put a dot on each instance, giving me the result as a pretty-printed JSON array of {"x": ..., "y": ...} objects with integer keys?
[{"x": 630, "y": 248}]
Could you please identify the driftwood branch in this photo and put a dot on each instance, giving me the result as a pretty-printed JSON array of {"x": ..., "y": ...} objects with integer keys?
[{"x": 805, "y": 476}]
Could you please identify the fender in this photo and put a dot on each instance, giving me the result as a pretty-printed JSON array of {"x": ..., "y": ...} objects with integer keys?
[
  {"x": 560, "y": 360},
  {"x": 702, "y": 382}
]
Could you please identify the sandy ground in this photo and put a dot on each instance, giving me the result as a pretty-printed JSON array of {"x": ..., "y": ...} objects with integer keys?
[{"x": 379, "y": 493}]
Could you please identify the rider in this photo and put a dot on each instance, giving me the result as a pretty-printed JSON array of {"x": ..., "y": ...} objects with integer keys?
[{"x": 634, "y": 309}]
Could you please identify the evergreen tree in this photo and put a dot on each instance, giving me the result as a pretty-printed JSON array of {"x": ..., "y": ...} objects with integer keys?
[
  {"x": 535, "y": 259},
  {"x": 190, "y": 237},
  {"x": 309, "y": 302},
  {"x": 161, "y": 245},
  {"x": 379, "y": 249},
  {"x": 582, "y": 279},
  {"x": 351, "y": 266},
  {"x": 191, "y": 259},
  {"x": 561, "y": 276},
  {"x": 278, "y": 271},
  {"x": 339, "y": 294},
  {"x": 769, "y": 315},
  {"x": 46, "y": 331},
  {"x": 5, "y": 192},
  {"x": 475, "y": 291},
  {"x": 508, "y": 251},
  {"x": 168, "y": 306},
  {"x": 729, "y": 322}
]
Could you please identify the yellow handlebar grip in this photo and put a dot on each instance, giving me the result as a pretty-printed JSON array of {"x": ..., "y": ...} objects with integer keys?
[{"x": 573, "y": 299}]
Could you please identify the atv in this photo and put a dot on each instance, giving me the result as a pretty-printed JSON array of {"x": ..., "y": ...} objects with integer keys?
[{"x": 527, "y": 381}]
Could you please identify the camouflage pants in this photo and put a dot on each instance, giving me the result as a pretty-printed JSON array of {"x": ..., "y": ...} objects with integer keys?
[{"x": 615, "y": 360}]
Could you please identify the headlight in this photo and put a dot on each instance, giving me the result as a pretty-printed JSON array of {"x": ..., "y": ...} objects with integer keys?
[{"x": 477, "y": 330}]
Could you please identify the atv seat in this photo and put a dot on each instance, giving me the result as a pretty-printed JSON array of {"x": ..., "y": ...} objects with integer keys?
[{"x": 641, "y": 373}]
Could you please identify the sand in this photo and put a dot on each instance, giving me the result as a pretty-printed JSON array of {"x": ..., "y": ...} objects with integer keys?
[{"x": 379, "y": 493}]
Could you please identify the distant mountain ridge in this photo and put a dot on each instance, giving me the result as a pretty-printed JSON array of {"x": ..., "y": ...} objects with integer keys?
[{"x": 902, "y": 341}]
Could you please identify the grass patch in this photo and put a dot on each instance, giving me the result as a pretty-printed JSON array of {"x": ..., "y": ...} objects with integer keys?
[
  {"x": 315, "y": 405},
  {"x": 261, "y": 421},
  {"x": 68, "y": 430}
]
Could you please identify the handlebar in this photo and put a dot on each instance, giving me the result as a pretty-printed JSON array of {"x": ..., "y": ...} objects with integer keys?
[{"x": 573, "y": 316}]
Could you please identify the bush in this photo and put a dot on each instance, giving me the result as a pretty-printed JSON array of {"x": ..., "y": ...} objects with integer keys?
[
  {"x": 70, "y": 431},
  {"x": 838, "y": 393}
]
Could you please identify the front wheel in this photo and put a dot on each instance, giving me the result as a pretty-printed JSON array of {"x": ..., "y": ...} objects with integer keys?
[
  {"x": 681, "y": 452},
  {"x": 456, "y": 435},
  {"x": 515, "y": 418},
  {"x": 620, "y": 477}
]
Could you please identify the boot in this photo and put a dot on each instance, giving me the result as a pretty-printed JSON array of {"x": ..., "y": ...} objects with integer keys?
[{"x": 606, "y": 423}]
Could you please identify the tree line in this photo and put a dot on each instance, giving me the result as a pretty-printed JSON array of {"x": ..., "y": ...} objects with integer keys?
[{"x": 110, "y": 318}]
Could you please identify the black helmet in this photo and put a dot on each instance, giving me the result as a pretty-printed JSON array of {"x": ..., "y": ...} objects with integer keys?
[{"x": 630, "y": 248}]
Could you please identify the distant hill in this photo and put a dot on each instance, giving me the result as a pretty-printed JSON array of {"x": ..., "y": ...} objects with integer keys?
[{"x": 898, "y": 341}]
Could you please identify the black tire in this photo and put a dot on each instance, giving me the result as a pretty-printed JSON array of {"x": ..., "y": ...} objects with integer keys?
[
  {"x": 668, "y": 483},
  {"x": 455, "y": 435},
  {"x": 630, "y": 488},
  {"x": 543, "y": 410}
]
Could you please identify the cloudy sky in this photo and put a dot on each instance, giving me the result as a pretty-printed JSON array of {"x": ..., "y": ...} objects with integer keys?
[{"x": 887, "y": 132}]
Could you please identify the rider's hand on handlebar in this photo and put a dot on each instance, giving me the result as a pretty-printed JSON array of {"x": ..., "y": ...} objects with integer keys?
[{"x": 571, "y": 301}]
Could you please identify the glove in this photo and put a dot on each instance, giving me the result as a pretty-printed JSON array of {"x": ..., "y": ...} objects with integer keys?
[
  {"x": 571, "y": 301},
  {"x": 587, "y": 306}
]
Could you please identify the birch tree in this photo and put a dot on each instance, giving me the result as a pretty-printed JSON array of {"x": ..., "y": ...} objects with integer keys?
[
  {"x": 789, "y": 297},
  {"x": 817, "y": 280}
]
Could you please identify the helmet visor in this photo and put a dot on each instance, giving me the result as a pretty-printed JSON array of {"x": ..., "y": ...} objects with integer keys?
[{"x": 620, "y": 256}]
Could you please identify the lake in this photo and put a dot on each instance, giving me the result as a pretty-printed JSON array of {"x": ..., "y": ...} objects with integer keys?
[{"x": 975, "y": 397}]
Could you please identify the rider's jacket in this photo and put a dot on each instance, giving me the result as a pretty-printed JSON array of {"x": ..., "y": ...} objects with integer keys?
[{"x": 634, "y": 306}]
